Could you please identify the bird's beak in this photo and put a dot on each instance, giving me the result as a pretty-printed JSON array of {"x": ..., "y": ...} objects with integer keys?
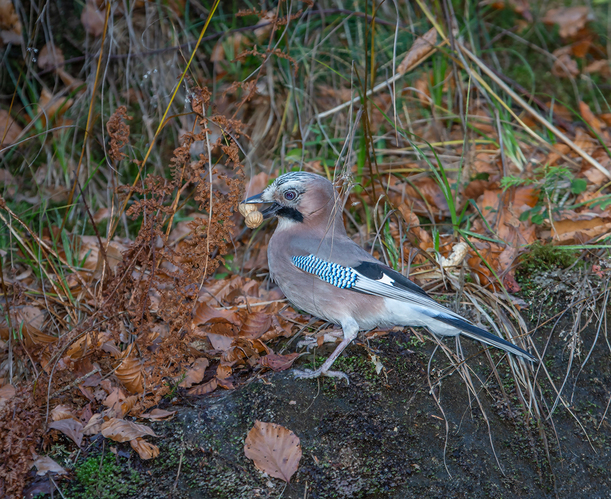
[{"x": 268, "y": 212}]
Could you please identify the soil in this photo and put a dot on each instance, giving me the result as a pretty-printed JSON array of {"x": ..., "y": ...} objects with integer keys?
[{"x": 384, "y": 436}]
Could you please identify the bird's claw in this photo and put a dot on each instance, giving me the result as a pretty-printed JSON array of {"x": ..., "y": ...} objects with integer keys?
[{"x": 309, "y": 374}]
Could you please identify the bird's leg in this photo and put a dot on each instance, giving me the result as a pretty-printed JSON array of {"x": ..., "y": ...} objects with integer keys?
[{"x": 351, "y": 329}]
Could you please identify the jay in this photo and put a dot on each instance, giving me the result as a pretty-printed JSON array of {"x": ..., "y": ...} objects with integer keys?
[{"x": 326, "y": 274}]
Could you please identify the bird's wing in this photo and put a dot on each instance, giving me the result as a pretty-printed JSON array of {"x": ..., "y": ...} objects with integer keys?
[
  {"x": 379, "y": 280},
  {"x": 371, "y": 278}
]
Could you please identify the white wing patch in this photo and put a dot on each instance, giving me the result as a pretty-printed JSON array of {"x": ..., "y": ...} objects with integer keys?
[{"x": 386, "y": 279}]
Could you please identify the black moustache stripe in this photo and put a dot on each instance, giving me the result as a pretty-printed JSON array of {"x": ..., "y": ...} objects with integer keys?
[{"x": 291, "y": 214}]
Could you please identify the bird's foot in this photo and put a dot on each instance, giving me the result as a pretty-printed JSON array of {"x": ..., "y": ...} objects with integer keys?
[{"x": 309, "y": 374}]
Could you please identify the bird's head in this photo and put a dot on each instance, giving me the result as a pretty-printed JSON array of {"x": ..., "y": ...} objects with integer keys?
[{"x": 299, "y": 197}]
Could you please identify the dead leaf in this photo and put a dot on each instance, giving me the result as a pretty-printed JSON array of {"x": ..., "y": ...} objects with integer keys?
[
  {"x": 220, "y": 342},
  {"x": 223, "y": 371},
  {"x": 128, "y": 405},
  {"x": 278, "y": 362},
  {"x": 217, "y": 290},
  {"x": 256, "y": 325},
  {"x": 10, "y": 130},
  {"x": 595, "y": 176},
  {"x": 27, "y": 321},
  {"x": 158, "y": 415},
  {"x": 205, "y": 388},
  {"x": 590, "y": 119},
  {"x": 121, "y": 430},
  {"x": 94, "y": 426},
  {"x": 54, "y": 107},
  {"x": 601, "y": 66},
  {"x": 570, "y": 20},
  {"x": 114, "y": 400},
  {"x": 265, "y": 23},
  {"x": 585, "y": 235},
  {"x": 218, "y": 52},
  {"x": 564, "y": 66},
  {"x": 196, "y": 373},
  {"x": 130, "y": 373},
  {"x": 204, "y": 314},
  {"x": 7, "y": 392},
  {"x": 50, "y": 57},
  {"x": 44, "y": 465},
  {"x": 71, "y": 428},
  {"x": 10, "y": 25},
  {"x": 419, "y": 51},
  {"x": 257, "y": 184},
  {"x": 61, "y": 412},
  {"x": 422, "y": 86},
  {"x": 93, "y": 19},
  {"x": 144, "y": 449},
  {"x": 428, "y": 198},
  {"x": 274, "y": 449}
]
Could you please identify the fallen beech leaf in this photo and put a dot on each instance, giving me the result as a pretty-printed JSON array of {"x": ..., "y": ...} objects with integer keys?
[
  {"x": 158, "y": 415},
  {"x": 218, "y": 290},
  {"x": 572, "y": 222},
  {"x": 144, "y": 449},
  {"x": 570, "y": 20},
  {"x": 10, "y": 25},
  {"x": 45, "y": 464},
  {"x": 256, "y": 325},
  {"x": 54, "y": 107},
  {"x": 420, "y": 50},
  {"x": 196, "y": 373},
  {"x": 61, "y": 412},
  {"x": 218, "y": 52},
  {"x": 223, "y": 371},
  {"x": 128, "y": 405},
  {"x": 71, "y": 428},
  {"x": 114, "y": 400},
  {"x": 220, "y": 342},
  {"x": 582, "y": 236},
  {"x": 50, "y": 56},
  {"x": 564, "y": 66},
  {"x": 7, "y": 392},
  {"x": 274, "y": 449},
  {"x": 10, "y": 130},
  {"x": 278, "y": 362},
  {"x": 94, "y": 426},
  {"x": 225, "y": 383},
  {"x": 121, "y": 430},
  {"x": 590, "y": 119},
  {"x": 129, "y": 372},
  {"x": 204, "y": 314},
  {"x": 205, "y": 388},
  {"x": 92, "y": 19}
]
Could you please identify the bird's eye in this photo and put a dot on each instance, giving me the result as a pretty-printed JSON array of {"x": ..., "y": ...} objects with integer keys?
[{"x": 290, "y": 195}]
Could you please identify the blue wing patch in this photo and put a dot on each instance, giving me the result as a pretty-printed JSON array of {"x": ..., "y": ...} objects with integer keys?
[{"x": 332, "y": 273}]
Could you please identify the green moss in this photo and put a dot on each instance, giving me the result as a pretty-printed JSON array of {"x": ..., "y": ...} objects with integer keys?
[
  {"x": 545, "y": 257},
  {"x": 110, "y": 480}
]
